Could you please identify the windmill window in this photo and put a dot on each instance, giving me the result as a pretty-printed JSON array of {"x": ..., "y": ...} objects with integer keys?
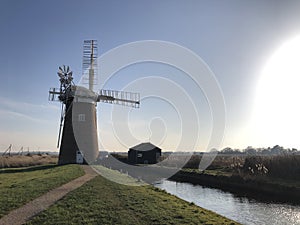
[
  {"x": 139, "y": 155},
  {"x": 81, "y": 117}
]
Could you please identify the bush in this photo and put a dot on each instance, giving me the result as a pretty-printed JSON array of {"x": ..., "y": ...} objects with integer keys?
[{"x": 280, "y": 166}]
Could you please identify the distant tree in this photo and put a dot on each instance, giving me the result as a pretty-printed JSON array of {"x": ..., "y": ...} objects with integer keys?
[
  {"x": 265, "y": 151},
  {"x": 277, "y": 150},
  {"x": 250, "y": 150},
  {"x": 294, "y": 150},
  {"x": 227, "y": 150},
  {"x": 237, "y": 151}
]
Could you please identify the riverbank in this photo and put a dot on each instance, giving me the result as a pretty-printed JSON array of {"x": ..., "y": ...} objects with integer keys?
[
  {"x": 101, "y": 201},
  {"x": 238, "y": 208},
  {"x": 262, "y": 188}
]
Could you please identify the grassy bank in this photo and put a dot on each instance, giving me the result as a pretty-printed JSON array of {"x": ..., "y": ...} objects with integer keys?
[
  {"x": 20, "y": 185},
  {"x": 101, "y": 201}
]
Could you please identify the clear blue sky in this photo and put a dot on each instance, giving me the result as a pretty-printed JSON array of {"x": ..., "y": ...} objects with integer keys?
[{"x": 235, "y": 38}]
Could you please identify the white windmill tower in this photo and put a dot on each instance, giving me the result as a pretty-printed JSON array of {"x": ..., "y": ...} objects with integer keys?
[{"x": 78, "y": 141}]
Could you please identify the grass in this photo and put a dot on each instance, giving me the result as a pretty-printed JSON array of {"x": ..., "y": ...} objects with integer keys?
[
  {"x": 214, "y": 172},
  {"x": 101, "y": 201},
  {"x": 21, "y": 185},
  {"x": 117, "y": 177}
]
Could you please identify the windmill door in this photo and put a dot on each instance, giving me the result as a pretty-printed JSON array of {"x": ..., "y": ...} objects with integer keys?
[{"x": 79, "y": 157}]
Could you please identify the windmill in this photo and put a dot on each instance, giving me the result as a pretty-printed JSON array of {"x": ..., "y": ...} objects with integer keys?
[{"x": 77, "y": 136}]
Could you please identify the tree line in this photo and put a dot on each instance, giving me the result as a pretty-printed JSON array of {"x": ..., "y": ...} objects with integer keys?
[{"x": 275, "y": 150}]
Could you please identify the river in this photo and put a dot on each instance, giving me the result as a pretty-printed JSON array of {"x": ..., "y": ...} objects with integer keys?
[{"x": 241, "y": 209}]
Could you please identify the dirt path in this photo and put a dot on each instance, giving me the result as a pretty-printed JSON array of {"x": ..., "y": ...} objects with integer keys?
[{"x": 24, "y": 213}]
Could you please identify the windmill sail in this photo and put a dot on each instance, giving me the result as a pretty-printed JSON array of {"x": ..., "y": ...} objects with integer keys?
[
  {"x": 54, "y": 94},
  {"x": 120, "y": 98},
  {"x": 89, "y": 63}
]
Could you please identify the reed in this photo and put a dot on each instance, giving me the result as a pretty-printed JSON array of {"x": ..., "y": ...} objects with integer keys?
[{"x": 26, "y": 160}]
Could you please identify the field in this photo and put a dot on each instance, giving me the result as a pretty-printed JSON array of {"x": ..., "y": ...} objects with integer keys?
[{"x": 20, "y": 185}]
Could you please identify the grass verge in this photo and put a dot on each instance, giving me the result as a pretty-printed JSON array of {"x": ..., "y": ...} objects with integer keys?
[
  {"x": 101, "y": 201},
  {"x": 21, "y": 185}
]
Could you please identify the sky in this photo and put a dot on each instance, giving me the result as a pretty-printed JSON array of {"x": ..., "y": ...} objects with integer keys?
[{"x": 237, "y": 40}]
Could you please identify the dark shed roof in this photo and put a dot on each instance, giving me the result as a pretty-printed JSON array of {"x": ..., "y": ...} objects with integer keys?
[{"x": 144, "y": 147}]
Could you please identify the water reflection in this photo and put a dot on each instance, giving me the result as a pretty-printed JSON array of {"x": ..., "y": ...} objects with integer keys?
[{"x": 241, "y": 209}]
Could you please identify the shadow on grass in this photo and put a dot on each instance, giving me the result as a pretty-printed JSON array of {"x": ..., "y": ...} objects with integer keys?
[{"x": 28, "y": 169}]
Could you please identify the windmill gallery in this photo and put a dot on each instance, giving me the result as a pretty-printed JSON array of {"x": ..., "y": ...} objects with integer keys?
[{"x": 77, "y": 138}]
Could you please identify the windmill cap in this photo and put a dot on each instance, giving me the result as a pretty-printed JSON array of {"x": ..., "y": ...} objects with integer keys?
[{"x": 83, "y": 94}]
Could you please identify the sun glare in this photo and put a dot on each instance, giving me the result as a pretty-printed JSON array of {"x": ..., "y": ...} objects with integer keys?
[{"x": 277, "y": 105}]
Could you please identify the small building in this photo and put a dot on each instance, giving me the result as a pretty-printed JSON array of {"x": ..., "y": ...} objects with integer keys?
[{"x": 144, "y": 153}]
